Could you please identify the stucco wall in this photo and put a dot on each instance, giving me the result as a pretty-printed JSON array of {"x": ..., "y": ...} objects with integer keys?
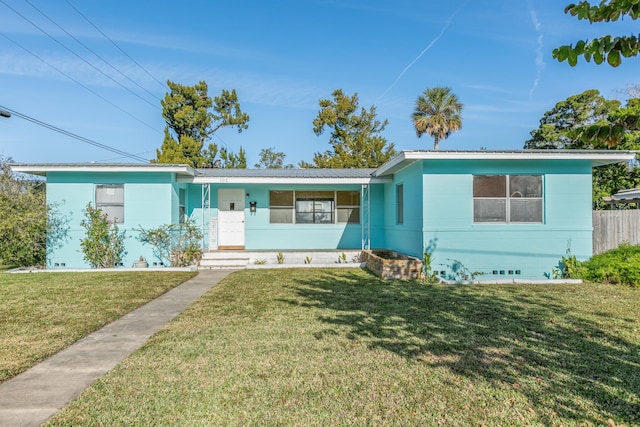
[
  {"x": 147, "y": 203},
  {"x": 406, "y": 237},
  {"x": 532, "y": 250}
]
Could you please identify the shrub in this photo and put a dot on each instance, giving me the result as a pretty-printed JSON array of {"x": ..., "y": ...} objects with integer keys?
[
  {"x": 103, "y": 246},
  {"x": 174, "y": 244},
  {"x": 617, "y": 266}
]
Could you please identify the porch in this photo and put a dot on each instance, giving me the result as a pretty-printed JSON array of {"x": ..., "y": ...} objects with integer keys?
[{"x": 240, "y": 259}]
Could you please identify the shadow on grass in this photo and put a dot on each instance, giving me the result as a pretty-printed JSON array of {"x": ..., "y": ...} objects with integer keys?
[{"x": 528, "y": 339}]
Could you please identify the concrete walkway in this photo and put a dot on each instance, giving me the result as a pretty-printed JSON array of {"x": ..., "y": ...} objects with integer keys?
[{"x": 34, "y": 396}]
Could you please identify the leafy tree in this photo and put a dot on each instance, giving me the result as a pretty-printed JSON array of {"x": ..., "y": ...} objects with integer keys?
[
  {"x": 608, "y": 48},
  {"x": 103, "y": 245},
  {"x": 192, "y": 117},
  {"x": 355, "y": 134},
  {"x": 231, "y": 160},
  {"x": 437, "y": 113},
  {"x": 270, "y": 159},
  {"x": 557, "y": 126},
  {"x": 570, "y": 125},
  {"x": 27, "y": 224}
]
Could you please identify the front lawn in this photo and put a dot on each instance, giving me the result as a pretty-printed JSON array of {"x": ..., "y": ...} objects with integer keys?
[
  {"x": 42, "y": 313},
  {"x": 340, "y": 347}
]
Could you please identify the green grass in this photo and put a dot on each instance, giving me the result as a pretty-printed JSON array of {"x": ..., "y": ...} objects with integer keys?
[
  {"x": 42, "y": 313},
  {"x": 340, "y": 347}
]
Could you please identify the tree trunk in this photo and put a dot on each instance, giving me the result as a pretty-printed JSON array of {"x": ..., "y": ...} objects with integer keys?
[{"x": 435, "y": 143}]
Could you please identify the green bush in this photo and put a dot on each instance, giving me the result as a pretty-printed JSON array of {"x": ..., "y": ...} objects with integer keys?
[
  {"x": 617, "y": 266},
  {"x": 175, "y": 244},
  {"x": 103, "y": 245}
]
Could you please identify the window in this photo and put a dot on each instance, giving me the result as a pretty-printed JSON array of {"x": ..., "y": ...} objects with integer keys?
[
  {"x": 348, "y": 206},
  {"x": 182, "y": 207},
  {"x": 110, "y": 200},
  {"x": 400, "y": 203},
  {"x": 314, "y": 207},
  {"x": 281, "y": 207},
  {"x": 507, "y": 198}
]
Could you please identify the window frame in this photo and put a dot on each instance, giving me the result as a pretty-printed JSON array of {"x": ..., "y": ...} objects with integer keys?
[
  {"x": 400, "y": 204},
  {"x": 300, "y": 196},
  {"x": 182, "y": 205},
  {"x": 507, "y": 199},
  {"x": 117, "y": 204}
]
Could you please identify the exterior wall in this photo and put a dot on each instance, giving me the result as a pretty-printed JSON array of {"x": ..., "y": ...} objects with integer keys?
[
  {"x": 260, "y": 234},
  {"x": 407, "y": 237},
  {"x": 148, "y": 202},
  {"x": 532, "y": 249}
]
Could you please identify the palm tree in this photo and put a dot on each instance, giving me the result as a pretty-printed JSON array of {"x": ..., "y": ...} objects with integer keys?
[{"x": 437, "y": 113}]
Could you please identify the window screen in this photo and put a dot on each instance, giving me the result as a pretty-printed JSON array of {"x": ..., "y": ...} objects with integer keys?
[
  {"x": 507, "y": 198},
  {"x": 110, "y": 200},
  {"x": 348, "y": 206},
  {"x": 281, "y": 207}
]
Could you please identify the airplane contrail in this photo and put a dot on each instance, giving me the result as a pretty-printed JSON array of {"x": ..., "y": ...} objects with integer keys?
[{"x": 426, "y": 49}]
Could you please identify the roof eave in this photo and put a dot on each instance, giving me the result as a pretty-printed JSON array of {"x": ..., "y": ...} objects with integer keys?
[
  {"x": 44, "y": 169},
  {"x": 283, "y": 180},
  {"x": 597, "y": 158}
]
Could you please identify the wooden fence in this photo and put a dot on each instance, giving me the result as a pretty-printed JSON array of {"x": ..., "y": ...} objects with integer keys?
[{"x": 611, "y": 228}]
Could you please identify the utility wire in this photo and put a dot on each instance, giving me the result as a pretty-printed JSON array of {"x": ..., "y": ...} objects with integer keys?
[
  {"x": 78, "y": 137},
  {"x": 164, "y": 86},
  {"x": 78, "y": 56},
  {"x": 80, "y": 84},
  {"x": 92, "y": 51}
]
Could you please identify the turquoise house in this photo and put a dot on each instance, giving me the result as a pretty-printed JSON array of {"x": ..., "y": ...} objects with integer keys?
[{"x": 505, "y": 214}]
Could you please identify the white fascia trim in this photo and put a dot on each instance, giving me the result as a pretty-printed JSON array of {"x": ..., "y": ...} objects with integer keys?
[
  {"x": 597, "y": 158},
  {"x": 44, "y": 169},
  {"x": 264, "y": 180}
]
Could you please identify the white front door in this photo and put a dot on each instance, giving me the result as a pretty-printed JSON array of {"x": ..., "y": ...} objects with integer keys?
[{"x": 231, "y": 218}]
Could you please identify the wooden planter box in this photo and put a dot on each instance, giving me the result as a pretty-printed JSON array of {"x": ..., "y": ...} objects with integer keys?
[{"x": 390, "y": 265}]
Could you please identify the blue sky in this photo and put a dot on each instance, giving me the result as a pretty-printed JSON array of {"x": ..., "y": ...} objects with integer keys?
[{"x": 282, "y": 57}]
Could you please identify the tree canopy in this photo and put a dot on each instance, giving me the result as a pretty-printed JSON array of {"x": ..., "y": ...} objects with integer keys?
[
  {"x": 607, "y": 47},
  {"x": 192, "y": 117},
  {"x": 438, "y": 113},
  {"x": 558, "y": 126},
  {"x": 270, "y": 159},
  {"x": 356, "y": 140},
  {"x": 27, "y": 223},
  {"x": 574, "y": 124}
]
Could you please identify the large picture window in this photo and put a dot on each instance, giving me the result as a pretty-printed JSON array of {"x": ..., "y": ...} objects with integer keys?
[
  {"x": 110, "y": 200},
  {"x": 507, "y": 198},
  {"x": 314, "y": 207}
]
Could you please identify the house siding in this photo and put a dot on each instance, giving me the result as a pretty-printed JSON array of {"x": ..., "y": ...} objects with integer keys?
[
  {"x": 148, "y": 202},
  {"x": 260, "y": 234},
  {"x": 406, "y": 237},
  {"x": 438, "y": 212},
  {"x": 531, "y": 249}
]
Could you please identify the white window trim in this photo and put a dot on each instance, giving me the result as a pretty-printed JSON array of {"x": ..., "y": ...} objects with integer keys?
[{"x": 507, "y": 200}]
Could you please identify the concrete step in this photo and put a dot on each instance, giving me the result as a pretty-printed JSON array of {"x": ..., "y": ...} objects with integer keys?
[{"x": 224, "y": 262}]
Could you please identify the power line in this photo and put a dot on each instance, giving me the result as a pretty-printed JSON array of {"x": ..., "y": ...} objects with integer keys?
[
  {"x": 91, "y": 50},
  {"x": 164, "y": 86},
  {"x": 78, "y": 137},
  {"x": 78, "y": 56},
  {"x": 79, "y": 83}
]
